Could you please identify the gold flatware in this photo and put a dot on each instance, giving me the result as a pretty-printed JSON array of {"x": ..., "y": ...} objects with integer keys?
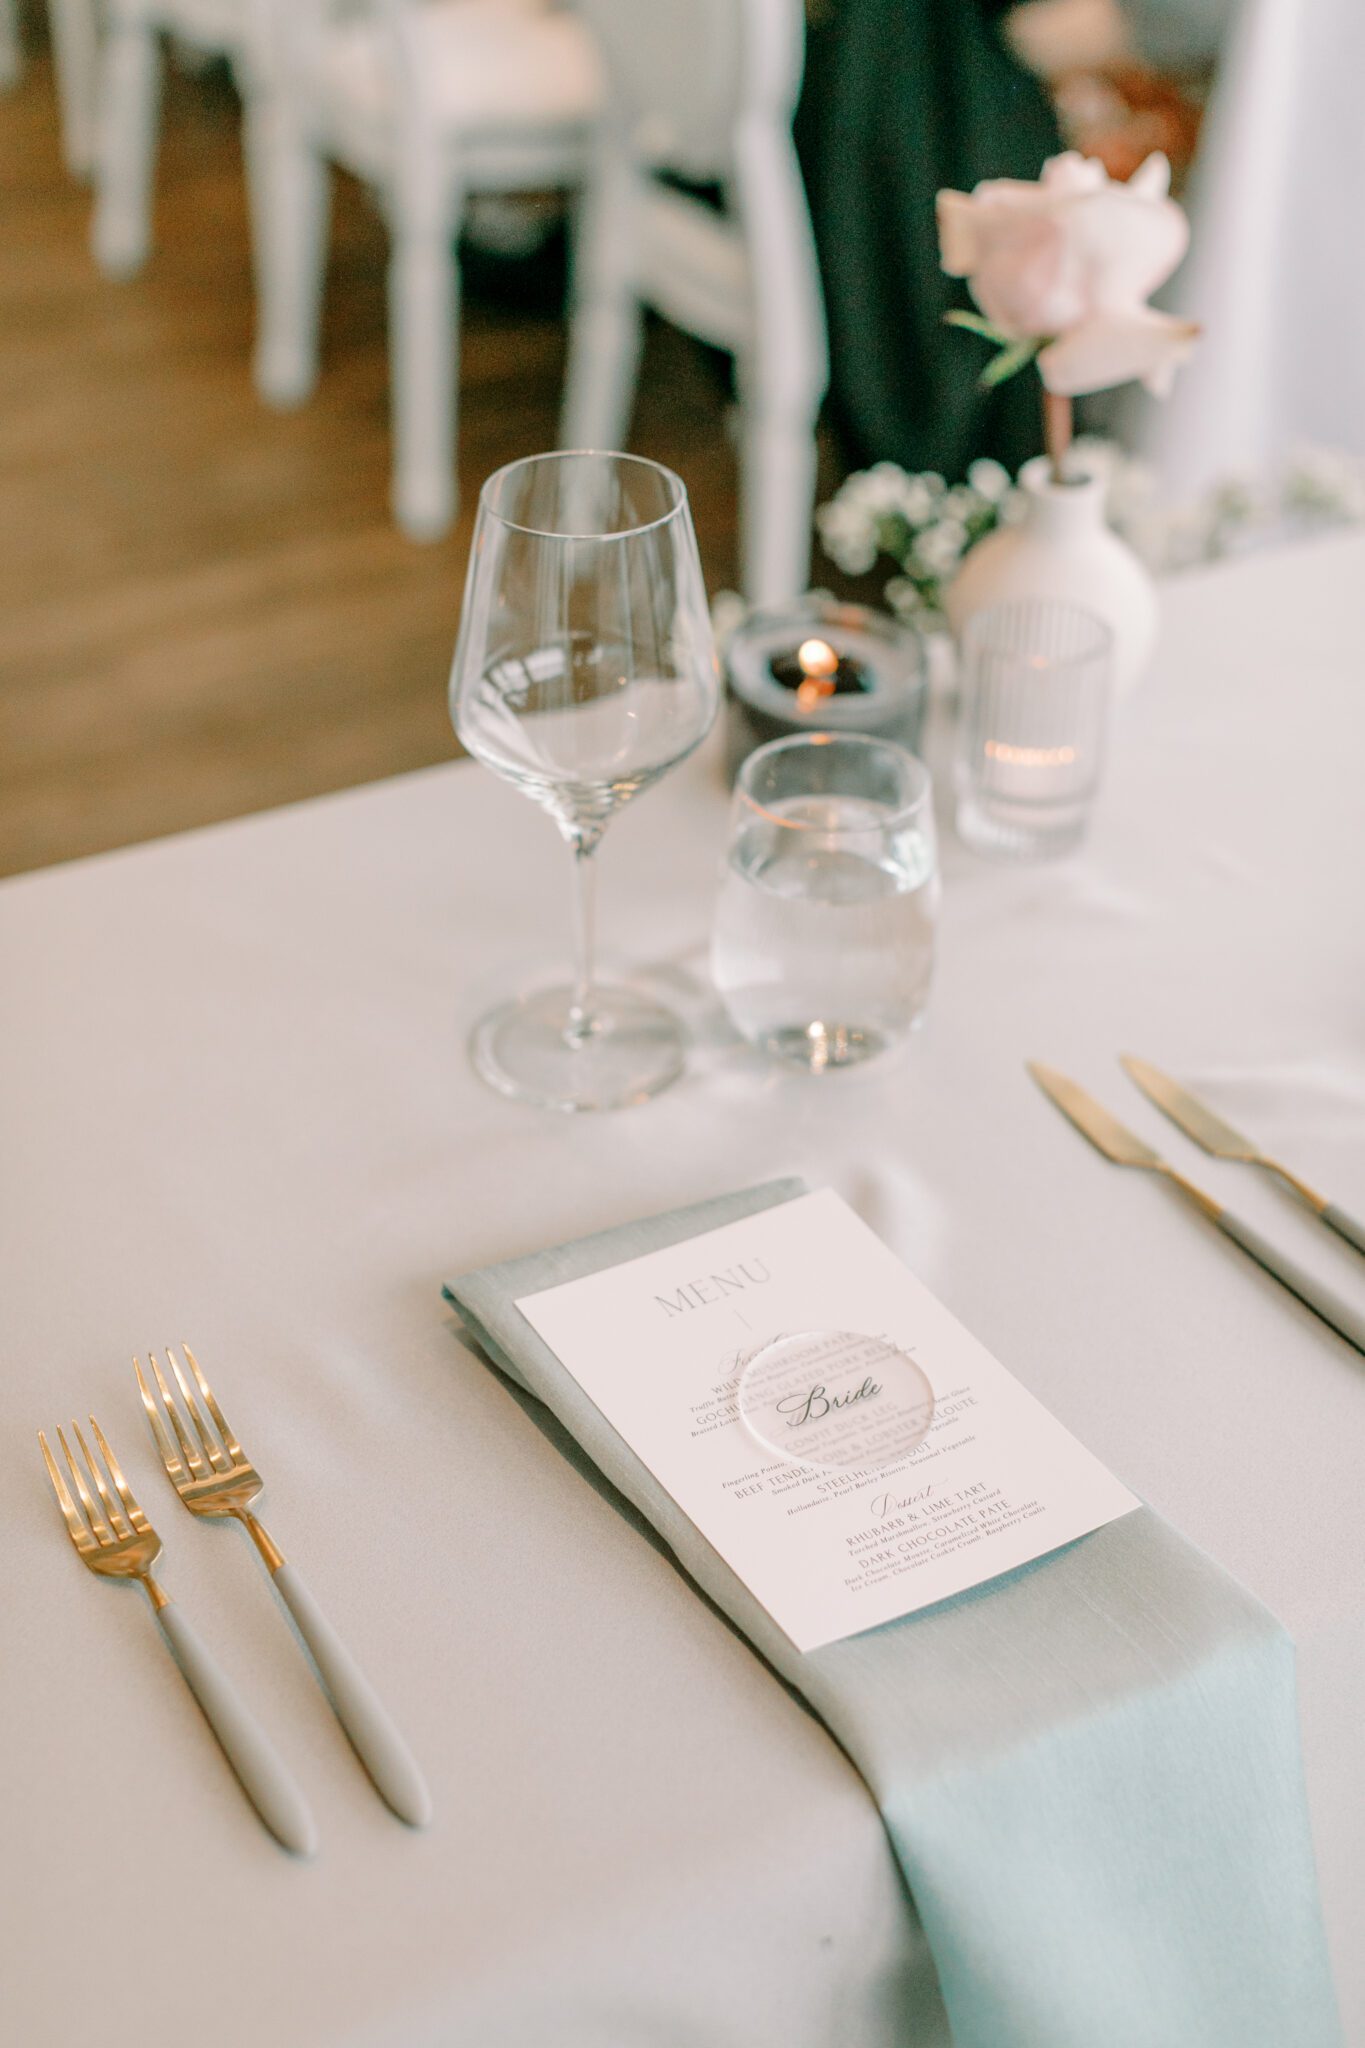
[
  {"x": 213, "y": 1476},
  {"x": 114, "y": 1538},
  {"x": 1119, "y": 1144},
  {"x": 1199, "y": 1122}
]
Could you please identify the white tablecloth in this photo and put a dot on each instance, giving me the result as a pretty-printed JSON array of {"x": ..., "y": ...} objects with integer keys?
[{"x": 235, "y": 1106}]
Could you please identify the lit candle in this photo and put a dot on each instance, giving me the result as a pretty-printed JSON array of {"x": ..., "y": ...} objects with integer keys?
[
  {"x": 1030, "y": 773},
  {"x": 817, "y": 665}
]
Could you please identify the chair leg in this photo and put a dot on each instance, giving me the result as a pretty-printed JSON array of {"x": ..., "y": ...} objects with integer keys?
[
  {"x": 606, "y": 325},
  {"x": 424, "y": 312},
  {"x": 126, "y": 148},
  {"x": 11, "y": 47},
  {"x": 783, "y": 369},
  {"x": 76, "y": 58},
  {"x": 777, "y": 503},
  {"x": 289, "y": 187}
]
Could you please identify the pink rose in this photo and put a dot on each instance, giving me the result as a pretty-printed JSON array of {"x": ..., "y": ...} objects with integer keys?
[{"x": 1073, "y": 260}]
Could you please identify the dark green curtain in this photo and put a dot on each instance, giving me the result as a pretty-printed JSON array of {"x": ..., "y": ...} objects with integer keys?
[{"x": 901, "y": 97}]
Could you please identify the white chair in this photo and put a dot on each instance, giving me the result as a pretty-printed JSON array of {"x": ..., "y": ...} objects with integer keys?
[
  {"x": 706, "y": 89},
  {"x": 75, "y": 28},
  {"x": 430, "y": 102},
  {"x": 75, "y": 31},
  {"x": 129, "y": 99}
]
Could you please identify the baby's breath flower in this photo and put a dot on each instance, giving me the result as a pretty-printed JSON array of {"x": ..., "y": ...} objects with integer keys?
[
  {"x": 880, "y": 489},
  {"x": 847, "y": 533},
  {"x": 939, "y": 548},
  {"x": 925, "y": 528},
  {"x": 904, "y": 598},
  {"x": 854, "y": 556},
  {"x": 917, "y": 501},
  {"x": 1324, "y": 483},
  {"x": 989, "y": 479},
  {"x": 1239, "y": 500}
]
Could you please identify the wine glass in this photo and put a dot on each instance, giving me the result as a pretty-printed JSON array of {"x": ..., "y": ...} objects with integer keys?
[{"x": 584, "y": 670}]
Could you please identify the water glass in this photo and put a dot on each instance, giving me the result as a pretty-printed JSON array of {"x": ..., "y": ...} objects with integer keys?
[
  {"x": 824, "y": 935},
  {"x": 1036, "y": 678}
]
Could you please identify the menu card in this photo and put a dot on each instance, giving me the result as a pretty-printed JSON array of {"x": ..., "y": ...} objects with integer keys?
[{"x": 661, "y": 1345}]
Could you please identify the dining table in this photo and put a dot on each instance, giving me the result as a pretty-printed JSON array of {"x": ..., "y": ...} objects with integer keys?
[{"x": 236, "y": 1108}]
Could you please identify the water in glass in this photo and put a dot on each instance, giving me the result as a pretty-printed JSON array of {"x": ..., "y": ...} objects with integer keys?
[{"x": 824, "y": 935}]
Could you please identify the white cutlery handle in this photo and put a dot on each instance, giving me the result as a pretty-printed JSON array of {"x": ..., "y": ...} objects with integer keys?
[
  {"x": 1347, "y": 1321},
  {"x": 373, "y": 1736},
  {"x": 248, "y": 1749},
  {"x": 1344, "y": 1225}
]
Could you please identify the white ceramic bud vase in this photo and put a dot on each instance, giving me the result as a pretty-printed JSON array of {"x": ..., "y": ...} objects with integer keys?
[{"x": 1064, "y": 548}]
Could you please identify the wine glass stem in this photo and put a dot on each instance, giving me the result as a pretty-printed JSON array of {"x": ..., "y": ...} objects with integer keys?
[{"x": 585, "y": 892}]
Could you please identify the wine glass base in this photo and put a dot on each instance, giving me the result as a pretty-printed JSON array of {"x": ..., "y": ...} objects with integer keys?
[{"x": 526, "y": 1049}]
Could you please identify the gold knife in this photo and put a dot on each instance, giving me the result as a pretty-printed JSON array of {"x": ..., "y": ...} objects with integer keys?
[
  {"x": 1198, "y": 1121},
  {"x": 1119, "y": 1144}
]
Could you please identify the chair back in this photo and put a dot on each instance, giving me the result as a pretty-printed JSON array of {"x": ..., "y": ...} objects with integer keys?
[
  {"x": 408, "y": 48},
  {"x": 681, "y": 74}
]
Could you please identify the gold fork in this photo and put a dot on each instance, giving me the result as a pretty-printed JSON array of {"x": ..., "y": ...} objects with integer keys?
[
  {"x": 115, "y": 1539},
  {"x": 209, "y": 1470}
]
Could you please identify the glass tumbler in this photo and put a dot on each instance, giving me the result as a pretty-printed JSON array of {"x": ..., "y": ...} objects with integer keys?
[
  {"x": 1035, "y": 687},
  {"x": 823, "y": 944}
]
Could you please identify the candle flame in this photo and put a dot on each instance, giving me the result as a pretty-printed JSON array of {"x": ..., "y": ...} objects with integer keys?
[
  {"x": 817, "y": 658},
  {"x": 819, "y": 664}
]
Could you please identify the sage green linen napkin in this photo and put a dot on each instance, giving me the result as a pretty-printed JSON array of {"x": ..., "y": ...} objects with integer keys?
[{"x": 1089, "y": 1769}]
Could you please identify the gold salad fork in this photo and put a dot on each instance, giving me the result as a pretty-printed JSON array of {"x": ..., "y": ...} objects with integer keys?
[
  {"x": 115, "y": 1539},
  {"x": 209, "y": 1470}
]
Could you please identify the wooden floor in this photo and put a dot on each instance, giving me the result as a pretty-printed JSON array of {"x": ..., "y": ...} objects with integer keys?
[{"x": 204, "y": 607}]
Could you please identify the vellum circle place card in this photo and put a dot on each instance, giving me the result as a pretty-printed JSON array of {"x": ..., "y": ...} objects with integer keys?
[
  {"x": 845, "y": 1444},
  {"x": 835, "y": 1399}
]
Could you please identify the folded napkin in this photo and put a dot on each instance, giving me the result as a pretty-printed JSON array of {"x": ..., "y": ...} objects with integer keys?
[{"x": 1089, "y": 1769}]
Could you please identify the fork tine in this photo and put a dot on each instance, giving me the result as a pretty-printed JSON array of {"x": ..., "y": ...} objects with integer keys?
[
  {"x": 231, "y": 1444},
  {"x": 103, "y": 1534},
  {"x": 216, "y": 1457},
  {"x": 192, "y": 1457},
  {"x": 76, "y": 1527},
  {"x": 117, "y": 1521},
  {"x": 125, "y": 1492},
  {"x": 175, "y": 1471}
]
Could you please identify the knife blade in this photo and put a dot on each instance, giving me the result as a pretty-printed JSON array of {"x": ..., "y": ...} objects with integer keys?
[
  {"x": 1093, "y": 1121},
  {"x": 1195, "y": 1119},
  {"x": 1124, "y": 1148},
  {"x": 1199, "y": 1122}
]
